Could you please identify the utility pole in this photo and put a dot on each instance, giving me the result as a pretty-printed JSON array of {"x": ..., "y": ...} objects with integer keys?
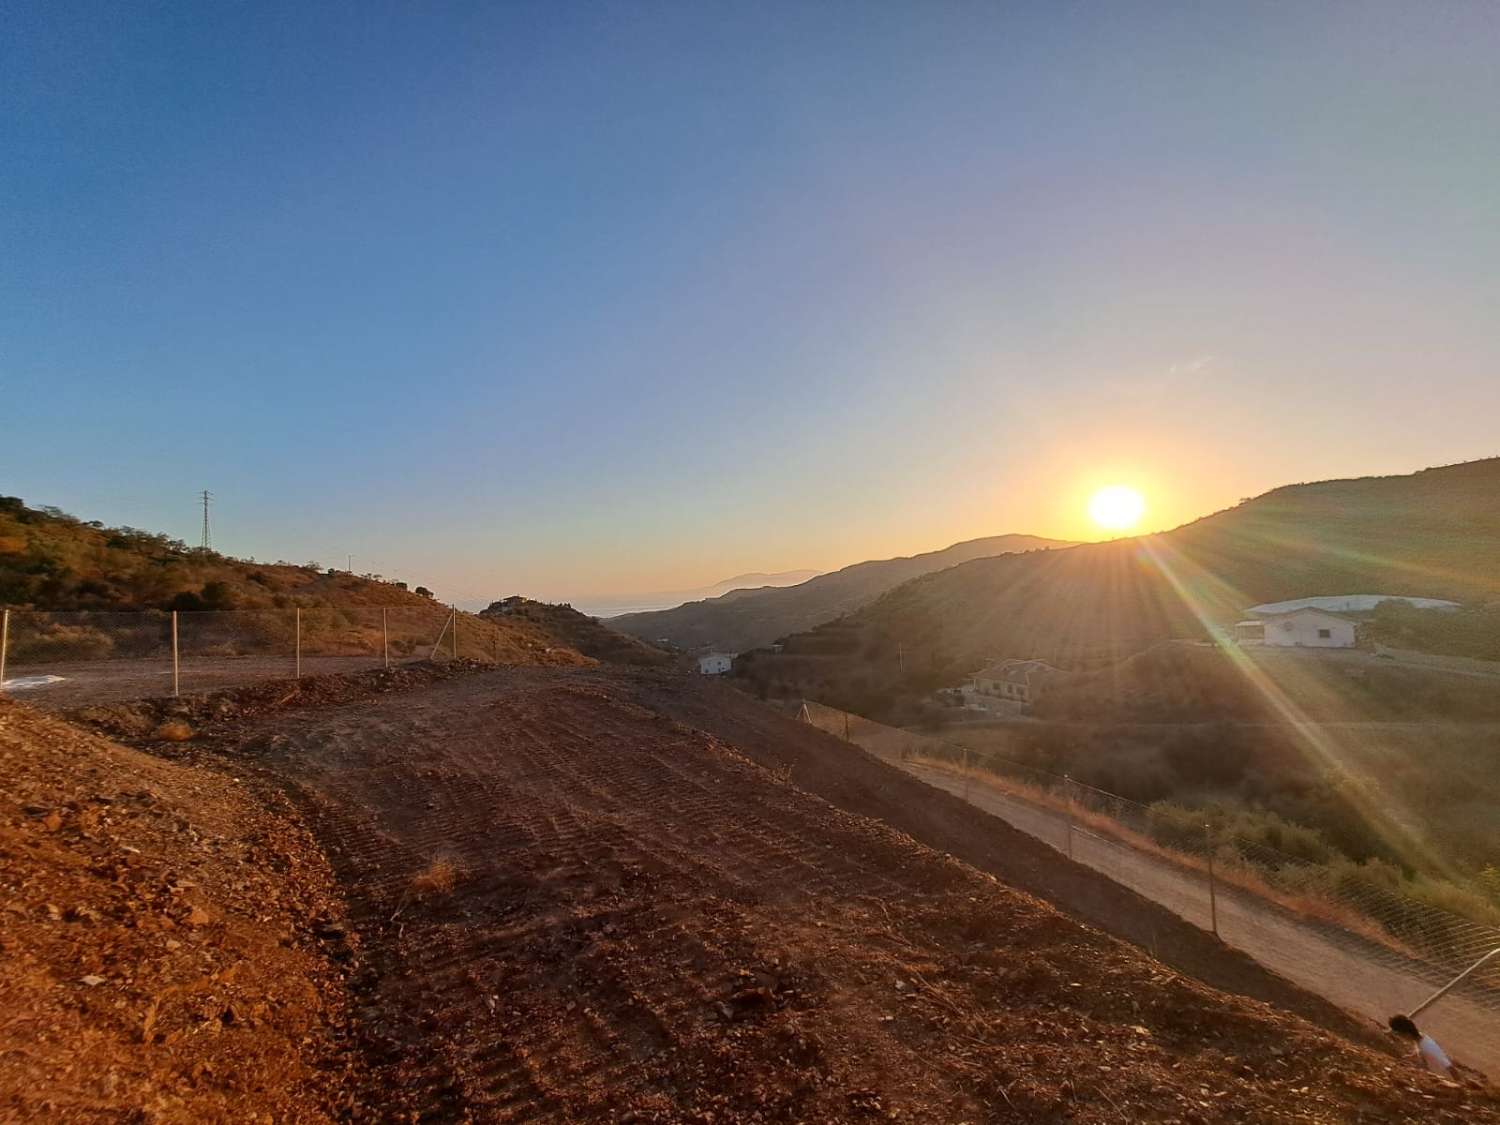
[
  {"x": 207, "y": 544},
  {"x": 351, "y": 564}
]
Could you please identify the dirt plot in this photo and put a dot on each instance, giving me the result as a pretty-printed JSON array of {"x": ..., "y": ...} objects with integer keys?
[
  {"x": 166, "y": 946},
  {"x": 572, "y": 906}
]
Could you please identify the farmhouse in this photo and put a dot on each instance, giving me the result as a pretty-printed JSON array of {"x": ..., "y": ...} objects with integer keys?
[
  {"x": 715, "y": 663},
  {"x": 1309, "y": 628},
  {"x": 1325, "y": 621},
  {"x": 1019, "y": 681}
]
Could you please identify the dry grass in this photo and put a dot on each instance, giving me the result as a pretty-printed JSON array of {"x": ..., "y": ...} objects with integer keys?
[
  {"x": 437, "y": 880},
  {"x": 173, "y": 731}
]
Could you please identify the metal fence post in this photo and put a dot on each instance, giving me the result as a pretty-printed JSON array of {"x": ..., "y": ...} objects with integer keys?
[
  {"x": 175, "y": 681},
  {"x": 4, "y": 644},
  {"x": 1213, "y": 894},
  {"x": 299, "y": 643},
  {"x": 454, "y": 610},
  {"x": 1069, "y": 781},
  {"x": 385, "y": 639}
]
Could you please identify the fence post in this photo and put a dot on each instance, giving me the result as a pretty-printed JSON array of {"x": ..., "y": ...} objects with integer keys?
[
  {"x": 846, "y": 726},
  {"x": 454, "y": 610},
  {"x": 1213, "y": 894},
  {"x": 968, "y": 776},
  {"x": 4, "y": 644},
  {"x": 385, "y": 638},
  {"x": 175, "y": 682},
  {"x": 1071, "y": 798},
  {"x": 299, "y": 642}
]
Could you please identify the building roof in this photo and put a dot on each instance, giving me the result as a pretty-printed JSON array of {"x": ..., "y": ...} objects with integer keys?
[
  {"x": 1346, "y": 603},
  {"x": 1015, "y": 671},
  {"x": 1307, "y": 611}
]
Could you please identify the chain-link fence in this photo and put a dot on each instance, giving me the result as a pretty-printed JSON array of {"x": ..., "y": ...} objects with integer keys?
[
  {"x": 1344, "y": 930},
  {"x": 77, "y": 658}
]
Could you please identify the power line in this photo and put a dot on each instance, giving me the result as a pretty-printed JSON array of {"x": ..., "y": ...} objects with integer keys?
[{"x": 207, "y": 544}]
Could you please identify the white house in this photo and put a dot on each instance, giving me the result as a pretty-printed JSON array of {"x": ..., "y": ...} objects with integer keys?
[
  {"x": 715, "y": 663},
  {"x": 1308, "y": 628}
]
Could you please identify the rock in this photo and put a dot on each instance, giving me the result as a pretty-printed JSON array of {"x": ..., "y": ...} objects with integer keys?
[{"x": 91, "y": 980}]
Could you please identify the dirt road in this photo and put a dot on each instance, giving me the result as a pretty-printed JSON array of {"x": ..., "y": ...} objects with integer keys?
[
  {"x": 648, "y": 925},
  {"x": 1359, "y": 975}
]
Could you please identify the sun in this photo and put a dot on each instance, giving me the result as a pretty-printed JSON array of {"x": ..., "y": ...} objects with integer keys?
[{"x": 1117, "y": 508}]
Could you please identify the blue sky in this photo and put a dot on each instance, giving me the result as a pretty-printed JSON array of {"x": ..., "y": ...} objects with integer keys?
[{"x": 573, "y": 299}]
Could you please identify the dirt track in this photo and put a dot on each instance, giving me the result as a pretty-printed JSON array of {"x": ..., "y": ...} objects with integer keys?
[
  {"x": 1357, "y": 974},
  {"x": 651, "y": 926}
]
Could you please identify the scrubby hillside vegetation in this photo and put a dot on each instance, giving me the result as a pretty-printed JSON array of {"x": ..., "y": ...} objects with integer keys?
[
  {"x": 76, "y": 575},
  {"x": 50, "y": 560},
  {"x": 745, "y": 619},
  {"x": 578, "y": 631},
  {"x": 1434, "y": 533}
]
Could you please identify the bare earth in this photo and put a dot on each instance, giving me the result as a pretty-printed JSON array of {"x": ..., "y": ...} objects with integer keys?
[{"x": 654, "y": 922}]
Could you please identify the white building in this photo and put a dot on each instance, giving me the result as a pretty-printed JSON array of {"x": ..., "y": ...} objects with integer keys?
[
  {"x": 1015, "y": 683},
  {"x": 715, "y": 663},
  {"x": 1308, "y": 628}
]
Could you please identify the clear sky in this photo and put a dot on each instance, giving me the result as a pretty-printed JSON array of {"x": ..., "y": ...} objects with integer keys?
[{"x": 567, "y": 299}]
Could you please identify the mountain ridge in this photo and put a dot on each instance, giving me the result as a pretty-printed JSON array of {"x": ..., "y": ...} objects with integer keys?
[{"x": 745, "y": 619}]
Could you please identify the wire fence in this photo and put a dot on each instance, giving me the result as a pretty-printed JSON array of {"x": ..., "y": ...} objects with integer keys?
[
  {"x": 78, "y": 658},
  {"x": 1341, "y": 929}
]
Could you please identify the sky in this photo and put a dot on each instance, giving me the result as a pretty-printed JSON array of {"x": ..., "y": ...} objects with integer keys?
[{"x": 573, "y": 299}]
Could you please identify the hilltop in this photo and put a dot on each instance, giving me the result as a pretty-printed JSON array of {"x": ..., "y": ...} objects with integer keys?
[
  {"x": 1435, "y": 533},
  {"x": 71, "y": 571},
  {"x": 745, "y": 619}
]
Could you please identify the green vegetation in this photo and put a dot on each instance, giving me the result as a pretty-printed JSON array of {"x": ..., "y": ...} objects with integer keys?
[{"x": 76, "y": 576}]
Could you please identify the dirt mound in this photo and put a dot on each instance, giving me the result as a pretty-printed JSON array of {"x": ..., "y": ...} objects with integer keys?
[
  {"x": 157, "y": 941},
  {"x": 643, "y": 924}
]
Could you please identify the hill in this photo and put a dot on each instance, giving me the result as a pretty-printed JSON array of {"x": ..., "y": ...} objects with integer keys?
[
  {"x": 578, "y": 631},
  {"x": 76, "y": 574},
  {"x": 1434, "y": 533},
  {"x": 746, "y": 619},
  {"x": 618, "y": 605}
]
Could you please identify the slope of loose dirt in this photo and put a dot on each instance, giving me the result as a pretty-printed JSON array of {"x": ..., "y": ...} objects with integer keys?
[
  {"x": 646, "y": 925},
  {"x": 158, "y": 960}
]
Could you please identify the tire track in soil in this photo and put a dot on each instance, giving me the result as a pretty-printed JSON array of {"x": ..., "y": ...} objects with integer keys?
[{"x": 647, "y": 921}]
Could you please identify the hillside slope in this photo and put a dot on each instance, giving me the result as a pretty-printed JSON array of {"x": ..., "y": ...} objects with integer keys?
[
  {"x": 577, "y": 631},
  {"x": 1435, "y": 532},
  {"x": 74, "y": 576},
  {"x": 746, "y": 619}
]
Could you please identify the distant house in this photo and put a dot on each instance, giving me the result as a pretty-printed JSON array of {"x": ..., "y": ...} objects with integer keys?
[
  {"x": 1325, "y": 621},
  {"x": 1309, "y": 628},
  {"x": 1019, "y": 682},
  {"x": 715, "y": 663}
]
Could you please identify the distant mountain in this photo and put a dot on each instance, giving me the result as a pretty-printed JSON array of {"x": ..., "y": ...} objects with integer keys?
[
  {"x": 609, "y": 607},
  {"x": 745, "y": 619},
  {"x": 1434, "y": 533}
]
